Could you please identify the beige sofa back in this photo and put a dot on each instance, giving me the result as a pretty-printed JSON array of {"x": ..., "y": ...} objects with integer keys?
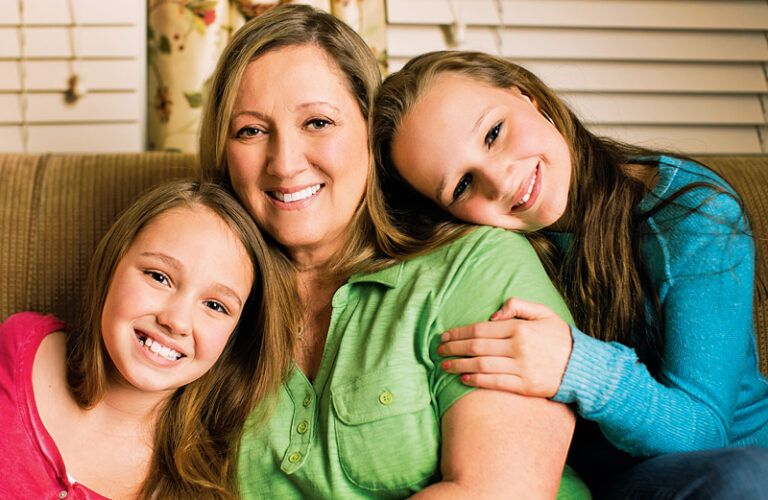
[{"x": 54, "y": 209}]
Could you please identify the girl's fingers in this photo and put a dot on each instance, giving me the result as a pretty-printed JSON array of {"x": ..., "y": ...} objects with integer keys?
[
  {"x": 486, "y": 329},
  {"x": 501, "y": 382},
  {"x": 521, "y": 309},
  {"x": 476, "y": 347},
  {"x": 500, "y": 365}
]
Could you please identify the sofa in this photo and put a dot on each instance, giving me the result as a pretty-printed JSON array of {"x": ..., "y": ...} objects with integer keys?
[{"x": 55, "y": 207}]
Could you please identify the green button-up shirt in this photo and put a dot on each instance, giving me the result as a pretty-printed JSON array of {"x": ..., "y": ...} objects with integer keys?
[{"x": 369, "y": 424}]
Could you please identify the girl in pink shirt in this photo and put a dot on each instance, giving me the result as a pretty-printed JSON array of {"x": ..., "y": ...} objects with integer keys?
[{"x": 180, "y": 338}]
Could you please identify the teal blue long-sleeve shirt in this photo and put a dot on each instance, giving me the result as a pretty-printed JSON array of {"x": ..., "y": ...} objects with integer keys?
[{"x": 709, "y": 392}]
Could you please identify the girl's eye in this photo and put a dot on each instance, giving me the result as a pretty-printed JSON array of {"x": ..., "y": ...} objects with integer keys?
[
  {"x": 492, "y": 134},
  {"x": 318, "y": 123},
  {"x": 246, "y": 132},
  {"x": 216, "y": 306},
  {"x": 159, "y": 277},
  {"x": 462, "y": 186}
]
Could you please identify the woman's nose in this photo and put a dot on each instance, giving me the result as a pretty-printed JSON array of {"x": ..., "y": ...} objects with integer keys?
[{"x": 286, "y": 157}]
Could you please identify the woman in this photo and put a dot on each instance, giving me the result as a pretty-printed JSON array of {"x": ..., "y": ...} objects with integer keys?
[
  {"x": 653, "y": 254},
  {"x": 366, "y": 411},
  {"x": 181, "y": 319}
]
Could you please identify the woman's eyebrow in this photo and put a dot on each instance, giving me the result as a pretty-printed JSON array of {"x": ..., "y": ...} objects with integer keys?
[
  {"x": 318, "y": 103},
  {"x": 256, "y": 114}
]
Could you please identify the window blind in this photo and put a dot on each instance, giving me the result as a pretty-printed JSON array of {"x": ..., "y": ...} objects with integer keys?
[
  {"x": 42, "y": 44},
  {"x": 682, "y": 75}
]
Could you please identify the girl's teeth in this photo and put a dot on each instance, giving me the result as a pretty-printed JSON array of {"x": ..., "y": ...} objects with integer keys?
[
  {"x": 527, "y": 195},
  {"x": 160, "y": 349}
]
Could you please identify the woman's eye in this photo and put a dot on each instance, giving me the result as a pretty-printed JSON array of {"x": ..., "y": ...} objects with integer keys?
[
  {"x": 159, "y": 277},
  {"x": 492, "y": 134},
  {"x": 318, "y": 123},
  {"x": 247, "y": 132},
  {"x": 216, "y": 306},
  {"x": 462, "y": 186}
]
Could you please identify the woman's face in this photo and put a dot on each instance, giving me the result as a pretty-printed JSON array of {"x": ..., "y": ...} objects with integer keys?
[
  {"x": 298, "y": 149},
  {"x": 485, "y": 154}
]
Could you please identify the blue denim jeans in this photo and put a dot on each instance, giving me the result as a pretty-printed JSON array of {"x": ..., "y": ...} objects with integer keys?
[{"x": 727, "y": 474}]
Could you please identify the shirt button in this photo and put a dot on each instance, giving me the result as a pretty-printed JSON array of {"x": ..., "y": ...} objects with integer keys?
[
  {"x": 385, "y": 398},
  {"x": 63, "y": 494},
  {"x": 308, "y": 400},
  {"x": 294, "y": 457},
  {"x": 302, "y": 427}
]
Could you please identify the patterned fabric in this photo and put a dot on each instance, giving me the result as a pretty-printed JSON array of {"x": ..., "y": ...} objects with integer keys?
[{"x": 185, "y": 38}]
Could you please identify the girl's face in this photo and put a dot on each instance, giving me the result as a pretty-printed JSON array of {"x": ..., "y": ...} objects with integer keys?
[
  {"x": 484, "y": 154},
  {"x": 175, "y": 299},
  {"x": 298, "y": 149}
]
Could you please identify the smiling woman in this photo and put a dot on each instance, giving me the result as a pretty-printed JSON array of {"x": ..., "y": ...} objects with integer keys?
[
  {"x": 286, "y": 128},
  {"x": 177, "y": 317}
]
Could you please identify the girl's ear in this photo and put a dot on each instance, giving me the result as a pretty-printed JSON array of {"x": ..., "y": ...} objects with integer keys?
[
  {"x": 522, "y": 93},
  {"x": 527, "y": 97}
]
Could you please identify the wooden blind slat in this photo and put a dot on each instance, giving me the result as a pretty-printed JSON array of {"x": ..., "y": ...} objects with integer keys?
[
  {"x": 689, "y": 140},
  {"x": 666, "y": 109},
  {"x": 408, "y": 41},
  {"x": 53, "y": 75},
  {"x": 731, "y": 15},
  {"x": 74, "y": 138},
  {"x": 90, "y": 41}
]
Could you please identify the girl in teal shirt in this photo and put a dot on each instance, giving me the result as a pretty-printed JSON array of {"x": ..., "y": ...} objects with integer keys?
[{"x": 653, "y": 254}]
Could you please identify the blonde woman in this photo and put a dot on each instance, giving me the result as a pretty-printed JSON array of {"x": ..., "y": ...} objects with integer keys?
[{"x": 366, "y": 411}]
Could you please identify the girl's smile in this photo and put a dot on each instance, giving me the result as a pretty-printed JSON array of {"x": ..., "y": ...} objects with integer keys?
[{"x": 485, "y": 154}]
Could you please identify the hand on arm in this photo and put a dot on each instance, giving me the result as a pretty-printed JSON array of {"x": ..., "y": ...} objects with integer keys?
[
  {"x": 501, "y": 445},
  {"x": 523, "y": 349}
]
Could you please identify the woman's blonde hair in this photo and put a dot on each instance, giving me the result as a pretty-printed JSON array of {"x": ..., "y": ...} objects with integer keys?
[
  {"x": 198, "y": 428},
  {"x": 284, "y": 26},
  {"x": 602, "y": 275}
]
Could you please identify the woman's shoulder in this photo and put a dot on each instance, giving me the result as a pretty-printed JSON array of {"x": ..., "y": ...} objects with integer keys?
[{"x": 482, "y": 241}]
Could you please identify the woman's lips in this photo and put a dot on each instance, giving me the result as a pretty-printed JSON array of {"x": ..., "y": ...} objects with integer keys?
[{"x": 293, "y": 198}]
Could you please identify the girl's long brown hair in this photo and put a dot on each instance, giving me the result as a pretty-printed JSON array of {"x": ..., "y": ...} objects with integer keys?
[
  {"x": 198, "y": 429},
  {"x": 602, "y": 275}
]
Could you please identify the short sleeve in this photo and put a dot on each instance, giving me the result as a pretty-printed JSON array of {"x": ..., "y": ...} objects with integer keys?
[{"x": 496, "y": 265}]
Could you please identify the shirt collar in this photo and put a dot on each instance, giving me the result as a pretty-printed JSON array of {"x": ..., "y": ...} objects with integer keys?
[{"x": 389, "y": 276}]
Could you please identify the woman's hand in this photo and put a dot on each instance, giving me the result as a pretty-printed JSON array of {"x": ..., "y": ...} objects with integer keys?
[{"x": 523, "y": 349}]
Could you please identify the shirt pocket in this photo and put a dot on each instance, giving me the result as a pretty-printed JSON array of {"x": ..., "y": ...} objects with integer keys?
[{"x": 387, "y": 432}]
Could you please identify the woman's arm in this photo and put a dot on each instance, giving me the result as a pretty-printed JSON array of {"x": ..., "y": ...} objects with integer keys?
[{"x": 497, "y": 444}]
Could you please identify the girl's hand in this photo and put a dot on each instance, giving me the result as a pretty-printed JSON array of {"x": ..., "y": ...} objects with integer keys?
[{"x": 523, "y": 349}]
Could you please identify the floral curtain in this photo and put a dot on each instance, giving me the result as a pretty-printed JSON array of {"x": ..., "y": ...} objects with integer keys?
[{"x": 185, "y": 38}]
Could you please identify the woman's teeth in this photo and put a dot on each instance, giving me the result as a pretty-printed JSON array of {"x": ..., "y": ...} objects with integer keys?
[
  {"x": 298, "y": 195},
  {"x": 527, "y": 195},
  {"x": 160, "y": 349}
]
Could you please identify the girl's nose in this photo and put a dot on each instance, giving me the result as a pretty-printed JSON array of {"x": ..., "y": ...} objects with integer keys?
[{"x": 176, "y": 316}]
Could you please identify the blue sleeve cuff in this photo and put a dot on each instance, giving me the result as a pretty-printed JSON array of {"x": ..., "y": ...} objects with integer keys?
[{"x": 593, "y": 372}]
